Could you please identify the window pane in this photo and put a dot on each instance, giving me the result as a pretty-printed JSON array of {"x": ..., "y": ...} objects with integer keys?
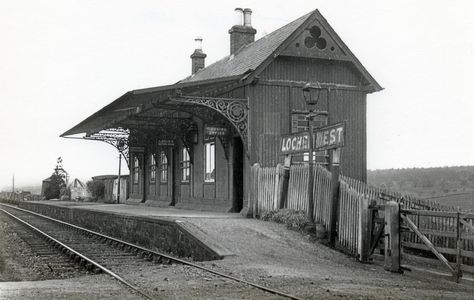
[
  {"x": 163, "y": 167},
  {"x": 209, "y": 156},
  {"x": 186, "y": 166},
  {"x": 152, "y": 168},
  {"x": 136, "y": 168}
]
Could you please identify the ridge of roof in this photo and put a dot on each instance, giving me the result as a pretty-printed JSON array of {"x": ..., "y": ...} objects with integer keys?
[
  {"x": 376, "y": 86},
  {"x": 248, "y": 57}
]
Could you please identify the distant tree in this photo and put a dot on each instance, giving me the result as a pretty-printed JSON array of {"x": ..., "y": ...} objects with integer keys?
[{"x": 57, "y": 186}]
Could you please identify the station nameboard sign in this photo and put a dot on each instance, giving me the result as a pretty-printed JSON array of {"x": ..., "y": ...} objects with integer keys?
[
  {"x": 324, "y": 138},
  {"x": 329, "y": 137},
  {"x": 137, "y": 149},
  {"x": 294, "y": 143},
  {"x": 166, "y": 143},
  {"x": 210, "y": 130}
]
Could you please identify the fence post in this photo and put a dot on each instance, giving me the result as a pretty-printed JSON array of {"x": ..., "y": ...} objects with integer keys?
[
  {"x": 254, "y": 184},
  {"x": 276, "y": 187},
  {"x": 334, "y": 207},
  {"x": 364, "y": 233},
  {"x": 392, "y": 237},
  {"x": 458, "y": 246},
  {"x": 283, "y": 187}
]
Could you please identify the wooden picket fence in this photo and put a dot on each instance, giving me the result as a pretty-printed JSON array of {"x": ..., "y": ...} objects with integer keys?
[
  {"x": 298, "y": 188},
  {"x": 265, "y": 186},
  {"x": 348, "y": 220},
  {"x": 354, "y": 222},
  {"x": 322, "y": 195},
  {"x": 266, "y": 179},
  {"x": 448, "y": 229}
]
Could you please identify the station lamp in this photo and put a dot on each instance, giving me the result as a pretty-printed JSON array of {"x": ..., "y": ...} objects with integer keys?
[{"x": 311, "y": 101}]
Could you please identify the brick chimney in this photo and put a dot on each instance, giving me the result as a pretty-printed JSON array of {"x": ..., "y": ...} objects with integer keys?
[
  {"x": 198, "y": 57},
  {"x": 242, "y": 33}
]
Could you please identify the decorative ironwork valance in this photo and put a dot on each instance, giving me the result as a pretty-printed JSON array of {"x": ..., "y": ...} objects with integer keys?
[{"x": 234, "y": 110}]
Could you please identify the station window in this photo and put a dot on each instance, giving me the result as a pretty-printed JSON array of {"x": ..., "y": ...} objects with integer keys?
[
  {"x": 152, "y": 168},
  {"x": 163, "y": 167},
  {"x": 136, "y": 169},
  {"x": 210, "y": 162},
  {"x": 185, "y": 166}
]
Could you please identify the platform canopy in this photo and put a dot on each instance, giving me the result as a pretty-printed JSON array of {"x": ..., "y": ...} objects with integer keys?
[{"x": 167, "y": 111}]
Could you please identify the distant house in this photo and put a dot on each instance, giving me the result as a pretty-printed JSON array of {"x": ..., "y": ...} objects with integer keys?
[
  {"x": 78, "y": 190},
  {"x": 46, "y": 183},
  {"x": 110, "y": 187}
]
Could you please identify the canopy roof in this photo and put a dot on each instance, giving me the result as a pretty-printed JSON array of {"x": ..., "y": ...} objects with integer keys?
[{"x": 234, "y": 70}]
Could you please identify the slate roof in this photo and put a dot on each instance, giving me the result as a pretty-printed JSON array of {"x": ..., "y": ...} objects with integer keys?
[
  {"x": 249, "y": 57},
  {"x": 232, "y": 68}
]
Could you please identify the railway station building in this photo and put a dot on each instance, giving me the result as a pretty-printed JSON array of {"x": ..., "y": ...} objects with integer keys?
[{"x": 191, "y": 144}]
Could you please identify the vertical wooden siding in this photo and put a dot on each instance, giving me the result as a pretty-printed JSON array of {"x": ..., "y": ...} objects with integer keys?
[
  {"x": 271, "y": 106},
  {"x": 307, "y": 69},
  {"x": 269, "y": 117}
]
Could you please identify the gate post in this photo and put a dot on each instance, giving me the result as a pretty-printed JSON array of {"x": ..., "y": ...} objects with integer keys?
[
  {"x": 283, "y": 187},
  {"x": 276, "y": 187},
  {"x": 253, "y": 190},
  {"x": 392, "y": 237},
  {"x": 458, "y": 246},
  {"x": 363, "y": 242},
  {"x": 334, "y": 206}
]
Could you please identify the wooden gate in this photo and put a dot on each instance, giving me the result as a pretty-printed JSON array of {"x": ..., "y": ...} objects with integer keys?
[{"x": 448, "y": 235}]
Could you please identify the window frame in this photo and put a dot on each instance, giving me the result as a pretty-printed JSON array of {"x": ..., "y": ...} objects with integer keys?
[
  {"x": 136, "y": 170},
  {"x": 185, "y": 165},
  {"x": 152, "y": 168},
  {"x": 163, "y": 167},
  {"x": 212, "y": 163}
]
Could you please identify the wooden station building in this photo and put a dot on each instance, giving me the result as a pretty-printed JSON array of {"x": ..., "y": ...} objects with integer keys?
[{"x": 191, "y": 144}]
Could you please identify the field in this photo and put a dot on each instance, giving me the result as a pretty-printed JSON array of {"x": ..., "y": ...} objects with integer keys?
[
  {"x": 464, "y": 201},
  {"x": 451, "y": 186}
]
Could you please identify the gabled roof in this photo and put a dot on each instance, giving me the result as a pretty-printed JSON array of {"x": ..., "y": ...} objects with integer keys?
[
  {"x": 251, "y": 56},
  {"x": 240, "y": 67},
  {"x": 251, "y": 59}
]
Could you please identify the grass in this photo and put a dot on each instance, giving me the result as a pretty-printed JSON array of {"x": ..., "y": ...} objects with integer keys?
[{"x": 293, "y": 219}]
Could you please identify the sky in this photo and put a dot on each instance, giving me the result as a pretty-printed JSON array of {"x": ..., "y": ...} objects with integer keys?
[{"x": 62, "y": 60}]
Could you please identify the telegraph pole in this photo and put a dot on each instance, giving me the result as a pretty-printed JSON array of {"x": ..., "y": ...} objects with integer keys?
[
  {"x": 13, "y": 183},
  {"x": 118, "y": 184}
]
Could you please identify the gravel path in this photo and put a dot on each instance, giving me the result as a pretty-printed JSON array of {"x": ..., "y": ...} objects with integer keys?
[
  {"x": 264, "y": 252},
  {"x": 291, "y": 261}
]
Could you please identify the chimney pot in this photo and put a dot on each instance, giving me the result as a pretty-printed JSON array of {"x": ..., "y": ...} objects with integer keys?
[
  {"x": 198, "y": 43},
  {"x": 239, "y": 16},
  {"x": 242, "y": 35},
  {"x": 198, "y": 57},
  {"x": 248, "y": 17}
]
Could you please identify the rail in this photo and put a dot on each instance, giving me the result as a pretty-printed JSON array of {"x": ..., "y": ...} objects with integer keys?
[{"x": 151, "y": 253}]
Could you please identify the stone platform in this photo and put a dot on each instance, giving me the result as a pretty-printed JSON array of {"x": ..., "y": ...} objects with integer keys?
[{"x": 164, "y": 229}]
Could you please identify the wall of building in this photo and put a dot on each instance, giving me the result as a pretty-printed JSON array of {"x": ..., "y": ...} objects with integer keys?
[
  {"x": 195, "y": 194},
  {"x": 279, "y": 91}
]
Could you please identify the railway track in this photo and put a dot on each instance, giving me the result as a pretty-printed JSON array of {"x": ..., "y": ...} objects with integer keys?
[{"x": 99, "y": 253}]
